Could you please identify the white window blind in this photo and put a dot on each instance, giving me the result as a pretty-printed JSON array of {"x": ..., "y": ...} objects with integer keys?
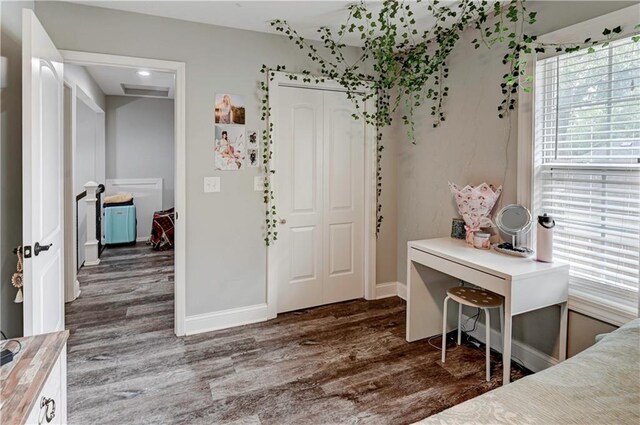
[{"x": 587, "y": 165}]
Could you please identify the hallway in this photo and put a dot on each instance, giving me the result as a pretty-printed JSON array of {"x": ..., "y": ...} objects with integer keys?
[
  {"x": 124, "y": 311},
  {"x": 341, "y": 363}
]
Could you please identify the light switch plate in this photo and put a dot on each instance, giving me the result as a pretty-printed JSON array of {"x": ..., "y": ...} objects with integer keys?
[
  {"x": 211, "y": 184},
  {"x": 258, "y": 183}
]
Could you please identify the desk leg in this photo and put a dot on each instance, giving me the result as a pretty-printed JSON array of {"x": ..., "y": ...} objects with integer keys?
[
  {"x": 562, "y": 336},
  {"x": 426, "y": 291},
  {"x": 506, "y": 342}
]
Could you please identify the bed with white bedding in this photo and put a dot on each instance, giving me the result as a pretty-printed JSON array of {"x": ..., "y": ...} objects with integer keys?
[{"x": 600, "y": 385}]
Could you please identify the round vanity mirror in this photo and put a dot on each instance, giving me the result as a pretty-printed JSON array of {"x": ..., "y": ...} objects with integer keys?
[{"x": 514, "y": 220}]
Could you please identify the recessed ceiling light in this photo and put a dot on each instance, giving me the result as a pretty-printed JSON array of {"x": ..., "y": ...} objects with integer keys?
[{"x": 144, "y": 73}]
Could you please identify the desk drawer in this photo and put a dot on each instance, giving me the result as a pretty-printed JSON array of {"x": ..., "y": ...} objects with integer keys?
[
  {"x": 53, "y": 394},
  {"x": 477, "y": 277}
]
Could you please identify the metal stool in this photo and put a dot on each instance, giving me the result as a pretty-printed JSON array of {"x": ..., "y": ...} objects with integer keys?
[{"x": 478, "y": 298}]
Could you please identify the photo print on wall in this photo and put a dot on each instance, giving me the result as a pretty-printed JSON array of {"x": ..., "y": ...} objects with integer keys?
[
  {"x": 229, "y": 149},
  {"x": 229, "y": 109},
  {"x": 252, "y": 139},
  {"x": 253, "y": 148},
  {"x": 253, "y": 158}
]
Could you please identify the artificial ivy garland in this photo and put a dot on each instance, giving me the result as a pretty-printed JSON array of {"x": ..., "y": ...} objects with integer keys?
[
  {"x": 271, "y": 220},
  {"x": 410, "y": 65}
]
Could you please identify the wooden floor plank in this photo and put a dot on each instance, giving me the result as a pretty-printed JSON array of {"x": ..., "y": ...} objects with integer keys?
[{"x": 342, "y": 363}]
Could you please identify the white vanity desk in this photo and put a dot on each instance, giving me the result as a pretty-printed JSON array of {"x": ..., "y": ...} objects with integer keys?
[{"x": 434, "y": 265}]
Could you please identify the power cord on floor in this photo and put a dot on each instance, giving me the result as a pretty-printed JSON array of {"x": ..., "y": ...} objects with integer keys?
[
  {"x": 469, "y": 338},
  {"x": 475, "y": 318},
  {"x": 514, "y": 359}
]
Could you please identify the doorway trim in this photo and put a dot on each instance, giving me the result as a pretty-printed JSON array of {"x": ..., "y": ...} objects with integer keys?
[
  {"x": 179, "y": 69},
  {"x": 282, "y": 79},
  {"x": 72, "y": 95}
]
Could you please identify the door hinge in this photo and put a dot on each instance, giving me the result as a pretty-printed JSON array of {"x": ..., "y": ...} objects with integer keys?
[
  {"x": 26, "y": 251},
  {"x": 176, "y": 214}
]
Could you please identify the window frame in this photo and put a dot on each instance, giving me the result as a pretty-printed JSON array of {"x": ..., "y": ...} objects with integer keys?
[{"x": 584, "y": 298}]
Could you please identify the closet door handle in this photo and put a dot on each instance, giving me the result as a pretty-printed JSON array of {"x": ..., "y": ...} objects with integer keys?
[{"x": 283, "y": 221}]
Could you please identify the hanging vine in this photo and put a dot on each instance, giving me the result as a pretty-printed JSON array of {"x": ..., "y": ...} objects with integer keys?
[
  {"x": 405, "y": 66},
  {"x": 271, "y": 219}
]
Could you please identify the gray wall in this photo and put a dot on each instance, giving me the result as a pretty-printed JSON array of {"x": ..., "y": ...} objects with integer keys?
[
  {"x": 226, "y": 265},
  {"x": 10, "y": 161},
  {"x": 85, "y": 82},
  {"x": 386, "y": 255},
  {"x": 140, "y": 141},
  {"x": 473, "y": 145},
  {"x": 582, "y": 332}
]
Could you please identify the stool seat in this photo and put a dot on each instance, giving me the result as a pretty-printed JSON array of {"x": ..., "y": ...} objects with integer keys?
[{"x": 475, "y": 297}]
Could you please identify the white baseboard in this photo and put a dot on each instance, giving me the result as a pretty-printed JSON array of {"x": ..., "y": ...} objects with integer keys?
[
  {"x": 225, "y": 319},
  {"x": 532, "y": 358},
  {"x": 402, "y": 290},
  {"x": 386, "y": 290},
  {"x": 142, "y": 238}
]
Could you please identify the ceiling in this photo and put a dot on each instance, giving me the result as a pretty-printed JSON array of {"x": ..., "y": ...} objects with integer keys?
[
  {"x": 111, "y": 78},
  {"x": 305, "y": 16}
]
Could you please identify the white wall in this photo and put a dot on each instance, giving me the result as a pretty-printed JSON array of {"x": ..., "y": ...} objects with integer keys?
[
  {"x": 87, "y": 154},
  {"x": 79, "y": 76},
  {"x": 89, "y": 149},
  {"x": 86, "y": 159},
  {"x": 226, "y": 264},
  {"x": 10, "y": 160},
  {"x": 140, "y": 141}
]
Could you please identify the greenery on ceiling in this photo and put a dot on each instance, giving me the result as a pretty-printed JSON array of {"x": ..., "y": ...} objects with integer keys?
[{"x": 405, "y": 66}]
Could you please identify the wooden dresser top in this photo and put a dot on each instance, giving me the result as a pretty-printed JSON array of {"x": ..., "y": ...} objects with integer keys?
[{"x": 23, "y": 379}]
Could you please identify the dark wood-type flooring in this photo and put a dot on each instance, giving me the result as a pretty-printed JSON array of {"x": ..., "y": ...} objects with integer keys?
[{"x": 342, "y": 363}]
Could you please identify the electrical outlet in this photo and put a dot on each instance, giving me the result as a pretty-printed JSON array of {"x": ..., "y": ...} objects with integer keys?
[
  {"x": 258, "y": 183},
  {"x": 211, "y": 184}
]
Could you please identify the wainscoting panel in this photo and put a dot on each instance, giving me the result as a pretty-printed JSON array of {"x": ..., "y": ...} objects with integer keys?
[{"x": 147, "y": 196}]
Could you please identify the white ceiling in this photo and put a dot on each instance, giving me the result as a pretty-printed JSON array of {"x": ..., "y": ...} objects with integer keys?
[
  {"x": 255, "y": 15},
  {"x": 111, "y": 78}
]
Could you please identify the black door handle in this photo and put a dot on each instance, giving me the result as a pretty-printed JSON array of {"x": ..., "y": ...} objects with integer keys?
[{"x": 37, "y": 248}]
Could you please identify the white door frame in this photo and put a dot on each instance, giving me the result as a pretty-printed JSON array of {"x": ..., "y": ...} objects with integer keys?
[
  {"x": 71, "y": 284},
  {"x": 179, "y": 69},
  {"x": 281, "y": 79}
]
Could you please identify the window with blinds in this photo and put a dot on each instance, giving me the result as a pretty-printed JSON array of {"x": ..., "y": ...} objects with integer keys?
[{"x": 587, "y": 165}]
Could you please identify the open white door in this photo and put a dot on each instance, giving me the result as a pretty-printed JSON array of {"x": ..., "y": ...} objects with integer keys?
[{"x": 42, "y": 179}]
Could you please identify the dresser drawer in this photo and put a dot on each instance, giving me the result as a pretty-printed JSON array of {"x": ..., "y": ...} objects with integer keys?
[{"x": 49, "y": 407}]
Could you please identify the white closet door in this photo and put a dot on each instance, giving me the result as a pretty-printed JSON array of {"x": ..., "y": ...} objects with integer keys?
[
  {"x": 299, "y": 176},
  {"x": 320, "y": 190},
  {"x": 343, "y": 226}
]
